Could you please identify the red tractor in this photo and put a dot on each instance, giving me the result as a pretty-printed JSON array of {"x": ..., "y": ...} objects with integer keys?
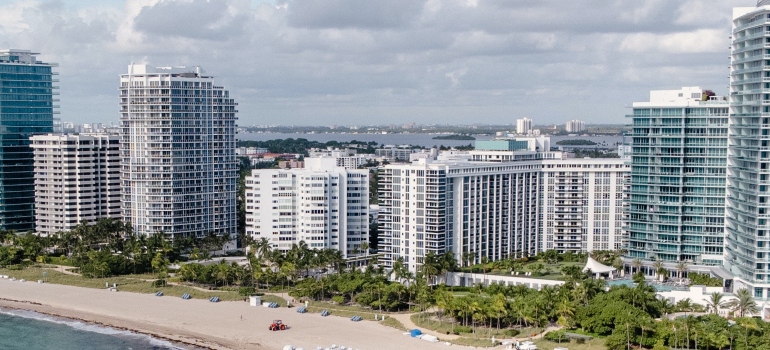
[{"x": 277, "y": 325}]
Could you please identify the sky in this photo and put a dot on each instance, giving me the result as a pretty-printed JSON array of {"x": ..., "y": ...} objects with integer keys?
[{"x": 354, "y": 62}]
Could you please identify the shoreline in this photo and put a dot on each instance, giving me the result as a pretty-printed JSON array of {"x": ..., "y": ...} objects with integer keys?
[
  {"x": 227, "y": 325},
  {"x": 196, "y": 340}
]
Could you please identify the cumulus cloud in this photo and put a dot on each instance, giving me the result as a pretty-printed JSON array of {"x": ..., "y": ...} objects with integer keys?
[{"x": 359, "y": 62}]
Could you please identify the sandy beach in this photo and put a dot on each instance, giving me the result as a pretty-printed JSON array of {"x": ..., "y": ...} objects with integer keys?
[{"x": 223, "y": 325}]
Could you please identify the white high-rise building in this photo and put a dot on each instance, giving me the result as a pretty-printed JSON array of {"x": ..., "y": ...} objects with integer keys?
[
  {"x": 747, "y": 248},
  {"x": 322, "y": 204},
  {"x": 575, "y": 126},
  {"x": 499, "y": 203},
  {"x": 77, "y": 178},
  {"x": 583, "y": 204},
  {"x": 523, "y": 126},
  {"x": 179, "y": 169}
]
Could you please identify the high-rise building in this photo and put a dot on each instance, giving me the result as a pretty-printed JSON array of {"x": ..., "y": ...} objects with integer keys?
[
  {"x": 322, "y": 204},
  {"x": 506, "y": 200},
  {"x": 575, "y": 126},
  {"x": 77, "y": 178},
  {"x": 523, "y": 126},
  {"x": 178, "y": 163},
  {"x": 747, "y": 249},
  {"x": 583, "y": 204},
  {"x": 678, "y": 178},
  {"x": 27, "y": 107}
]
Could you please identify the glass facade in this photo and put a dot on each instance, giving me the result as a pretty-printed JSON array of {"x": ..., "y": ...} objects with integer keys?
[
  {"x": 27, "y": 108},
  {"x": 748, "y": 208},
  {"x": 678, "y": 178}
]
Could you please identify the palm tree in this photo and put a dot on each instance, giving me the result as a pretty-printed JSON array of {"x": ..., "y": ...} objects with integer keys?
[
  {"x": 430, "y": 267},
  {"x": 743, "y": 303},
  {"x": 636, "y": 264},
  {"x": 715, "y": 302},
  {"x": 681, "y": 268},
  {"x": 659, "y": 270},
  {"x": 484, "y": 262},
  {"x": 685, "y": 305},
  {"x": 444, "y": 300},
  {"x": 749, "y": 325},
  {"x": 262, "y": 249},
  {"x": 499, "y": 307}
]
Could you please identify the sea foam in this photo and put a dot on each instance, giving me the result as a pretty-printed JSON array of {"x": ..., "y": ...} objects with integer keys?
[{"x": 90, "y": 327}]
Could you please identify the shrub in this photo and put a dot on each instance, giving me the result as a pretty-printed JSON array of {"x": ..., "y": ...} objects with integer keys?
[
  {"x": 339, "y": 299},
  {"x": 511, "y": 332},
  {"x": 461, "y": 329},
  {"x": 159, "y": 283},
  {"x": 556, "y": 336},
  {"x": 246, "y": 291}
]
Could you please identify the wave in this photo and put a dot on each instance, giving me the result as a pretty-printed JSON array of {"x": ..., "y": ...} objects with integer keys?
[{"x": 90, "y": 327}]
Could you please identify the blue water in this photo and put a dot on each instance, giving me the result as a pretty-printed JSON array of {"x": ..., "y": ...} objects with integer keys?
[
  {"x": 22, "y": 330},
  {"x": 425, "y": 140}
]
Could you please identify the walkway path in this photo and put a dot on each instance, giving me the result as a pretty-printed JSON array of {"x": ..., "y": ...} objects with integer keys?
[
  {"x": 62, "y": 269},
  {"x": 406, "y": 320}
]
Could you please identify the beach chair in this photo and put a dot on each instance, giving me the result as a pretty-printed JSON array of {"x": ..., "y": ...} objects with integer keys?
[
  {"x": 159, "y": 294},
  {"x": 325, "y": 313},
  {"x": 302, "y": 310},
  {"x": 186, "y": 296}
]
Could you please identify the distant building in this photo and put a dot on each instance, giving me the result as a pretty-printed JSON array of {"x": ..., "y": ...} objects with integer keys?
[
  {"x": 77, "y": 178},
  {"x": 347, "y": 158},
  {"x": 575, "y": 126},
  {"x": 523, "y": 126},
  {"x": 179, "y": 169},
  {"x": 324, "y": 205},
  {"x": 395, "y": 153},
  {"x": 27, "y": 108}
]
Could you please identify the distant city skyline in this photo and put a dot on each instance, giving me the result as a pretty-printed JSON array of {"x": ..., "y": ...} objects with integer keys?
[{"x": 348, "y": 63}]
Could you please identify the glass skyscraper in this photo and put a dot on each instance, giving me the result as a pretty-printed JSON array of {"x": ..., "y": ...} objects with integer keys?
[
  {"x": 678, "y": 178},
  {"x": 27, "y": 107},
  {"x": 747, "y": 253}
]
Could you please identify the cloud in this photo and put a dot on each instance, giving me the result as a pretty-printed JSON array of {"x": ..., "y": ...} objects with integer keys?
[
  {"x": 361, "y": 62},
  {"x": 193, "y": 19},
  {"x": 353, "y": 13}
]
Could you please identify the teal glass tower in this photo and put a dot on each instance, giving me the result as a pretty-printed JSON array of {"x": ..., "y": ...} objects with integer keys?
[
  {"x": 27, "y": 108},
  {"x": 678, "y": 178}
]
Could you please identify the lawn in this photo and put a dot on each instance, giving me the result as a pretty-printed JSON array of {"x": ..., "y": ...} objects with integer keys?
[
  {"x": 573, "y": 345},
  {"x": 429, "y": 321},
  {"x": 549, "y": 271},
  {"x": 129, "y": 283}
]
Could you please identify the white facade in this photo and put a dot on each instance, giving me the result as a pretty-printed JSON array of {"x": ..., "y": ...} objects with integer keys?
[
  {"x": 346, "y": 158},
  {"x": 747, "y": 243},
  {"x": 324, "y": 205},
  {"x": 395, "y": 154},
  {"x": 495, "y": 209},
  {"x": 523, "y": 126},
  {"x": 583, "y": 204},
  {"x": 77, "y": 178},
  {"x": 575, "y": 126},
  {"x": 179, "y": 169}
]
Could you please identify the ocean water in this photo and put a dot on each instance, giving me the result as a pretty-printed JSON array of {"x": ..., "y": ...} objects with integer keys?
[{"x": 22, "y": 330}]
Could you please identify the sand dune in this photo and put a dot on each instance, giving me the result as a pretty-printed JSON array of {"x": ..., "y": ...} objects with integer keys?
[{"x": 200, "y": 322}]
